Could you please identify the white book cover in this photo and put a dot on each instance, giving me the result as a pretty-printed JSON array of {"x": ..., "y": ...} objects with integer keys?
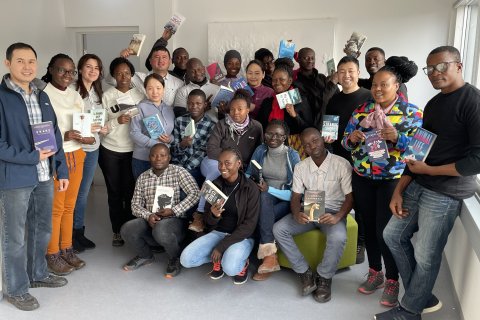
[
  {"x": 163, "y": 198},
  {"x": 82, "y": 122},
  {"x": 283, "y": 99},
  {"x": 98, "y": 116},
  {"x": 190, "y": 129},
  {"x": 175, "y": 22},
  {"x": 136, "y": 43}
]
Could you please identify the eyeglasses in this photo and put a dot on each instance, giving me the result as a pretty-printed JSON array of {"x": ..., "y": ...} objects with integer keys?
[
  {"x": 441, "y": 67},
  {"x": 62, "y": 71},
  {"x": 274, "y": 135}
]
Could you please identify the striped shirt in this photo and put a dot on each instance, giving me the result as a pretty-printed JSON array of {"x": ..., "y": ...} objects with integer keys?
[
  {"x": 34, "y": 116},
  {"x": 174, "y": 177}
]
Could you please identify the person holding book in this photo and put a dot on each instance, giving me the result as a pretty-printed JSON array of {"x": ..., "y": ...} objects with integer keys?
[
  {"x": 28, "y": 173},
  {"x": 196, "y": 74},
  {"x": 236, "y": 130},
  {"x": 277, "y": 161},
  {"x": 343, "y": 104},
  {"x": 190, "y": 135},
  {"x": 266, "y": 57},
  {"x": 61, "y": 259},
  {"x": 116, "y": 147},
  {"x": 314, "y": 86},
  {"x": 298, "y": 117},
  {"x": 165, "y": 226},
  {"x": 232, "y": 223},
  {"x": 143, "y": 138},
  {"x": 255, "y": 76},
  {"x": 233, "y": 63},
  {"x": 89, "y": 85},
  {"x": 180, "y": 58},
  {"x": 428, "y": 197},
  {"x": 328, "y": 176},
  {"x": 392, "y": 121}
]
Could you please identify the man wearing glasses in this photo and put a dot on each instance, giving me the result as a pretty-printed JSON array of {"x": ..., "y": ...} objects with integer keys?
[{"x": 428, "y": 197}]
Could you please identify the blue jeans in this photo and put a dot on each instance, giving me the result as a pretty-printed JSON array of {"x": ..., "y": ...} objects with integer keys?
[
  {"x": 272, "y": 209},
  {"x": 89, "y": 167},
  {"x": 209, "y": 169},
  {"x": 25, "y": 211},
  {"x": 336, "y": 234},
  {"x": 139, "y": 167},
  {"x": 432, "y": 216},
  {"x": 233, "y": 260}
]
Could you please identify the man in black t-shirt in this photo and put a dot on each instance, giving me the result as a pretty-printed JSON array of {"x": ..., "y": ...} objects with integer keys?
[{"x": 429, "y": 195}]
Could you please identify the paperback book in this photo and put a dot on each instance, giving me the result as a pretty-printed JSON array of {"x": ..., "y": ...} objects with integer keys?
[
  {"x": 314, "y": 204},
  {"x": 354, "y": 44},
  {"x": 288, "y": 97},
  {"x": 256, "y": 171},
  {"x": 154, "y": 126},
  {"x": 82, "y": 122},
  {"x": 190, "y": 129},
  {"x": 241, "y": 83},
  {"x": 225, "y": 94},
  {"x": 215, "y": 72},
  {"x": 136, "y": 44},
  {"x": 377, "y": 148},
  {"x": 44, "y": 136},
  {"x": 330, "y": 126},
  {"x": 286, "y": 49},
  {"x": 98, "y": 117},
  {"x": 127, "y": 106},
  {"x": 212, "y": 194},
  {"x": 420, "y": 145},
  {"x": 163, "y": 198},
  {"x": 175, "y": 22},
  {"x": 331, "y": 67}
]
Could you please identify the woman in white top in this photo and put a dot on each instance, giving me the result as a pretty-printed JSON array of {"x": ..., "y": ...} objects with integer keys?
[{"x": 116, "y": 147}]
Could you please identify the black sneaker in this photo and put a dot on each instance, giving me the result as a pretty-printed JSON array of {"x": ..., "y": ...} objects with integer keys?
[
  {"x": 84, "y": 241},
  {"x": 397, "y": 313},
  {"x": 308, "y": 282},
  {"x": 217, "y": 271},
  {"x": 433, "y": 304},
  {"x": 242, "y": 277},
  {"x": 137, "y": 262},
  {"x": 25, "y": 302},
  {"x": 173, "y": 268},
  {"x": 52, "y": 281},
  {"x": 117, "y": 240}
]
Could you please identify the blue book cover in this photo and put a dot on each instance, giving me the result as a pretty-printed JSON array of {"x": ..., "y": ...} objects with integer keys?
[
  {"x": 286, "y": 49},
  {"x": 44, "y": 136},
  {"x": 154, "y": 126},
  {"x": 376, "y": 147},
  {"x": 420, "y": 145},
  {"x": 330, "y": 126},
  {"x": 241, "y": 83},
  {"x": 225, "y": 94}
]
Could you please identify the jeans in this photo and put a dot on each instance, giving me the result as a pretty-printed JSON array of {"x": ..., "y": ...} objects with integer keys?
[
  {"x": 432, "y": 215},
  {"x": 139, "y": 167},
  {"x": 89, "y": 167},
  {"x": 233, "y": 260},
  {"x": 272, "y": 209},
  {"x": 336, "y": 234},
  {"x": 168, "y": 232},
  {"x": 25, "y": 211},
  {"x": 209, "y": 169}
]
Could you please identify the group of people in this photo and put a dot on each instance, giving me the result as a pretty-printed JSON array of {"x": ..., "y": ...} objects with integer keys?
[{"x": 43, "y": 193}]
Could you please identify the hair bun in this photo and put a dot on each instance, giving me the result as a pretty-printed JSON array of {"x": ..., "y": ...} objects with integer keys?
[{"x": 404, "y": 69}]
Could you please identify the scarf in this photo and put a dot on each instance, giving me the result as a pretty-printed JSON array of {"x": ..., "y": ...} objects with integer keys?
[
  {"x": 378, "y": 118},
  {"x": 276, "y": 112},
  {"x": 237, "y": 128}
]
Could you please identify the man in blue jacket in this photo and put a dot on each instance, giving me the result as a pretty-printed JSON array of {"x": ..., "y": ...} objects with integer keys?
[{"x": 26, "y": 183}]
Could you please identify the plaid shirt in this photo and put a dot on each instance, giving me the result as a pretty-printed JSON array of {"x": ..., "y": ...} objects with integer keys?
[
  {"x": 34, "y": 116},
  {"x": 191, "y": 157},
  {"x": 175, "y": 177}
]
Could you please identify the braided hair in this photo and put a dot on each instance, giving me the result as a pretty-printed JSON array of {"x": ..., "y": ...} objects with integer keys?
[{"x": 402, "y": 68}]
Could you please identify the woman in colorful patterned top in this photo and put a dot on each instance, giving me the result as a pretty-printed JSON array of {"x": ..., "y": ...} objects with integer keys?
[{"x": 395, "y": 121}]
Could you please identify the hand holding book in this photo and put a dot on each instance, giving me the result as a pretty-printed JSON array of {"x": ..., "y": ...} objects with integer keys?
[
  {"x": 186, "y": 142},
  {"x": 390, "y": 134},
  {"x": 301, "y": 217},
  {"x": 217, "y": 208}
]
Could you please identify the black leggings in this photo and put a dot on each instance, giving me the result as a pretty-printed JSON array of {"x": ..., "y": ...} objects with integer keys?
[{"x": 372, "y": 199}]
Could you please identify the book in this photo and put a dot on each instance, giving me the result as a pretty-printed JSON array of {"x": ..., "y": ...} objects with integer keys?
[
  {"x": 136, "y": 43},
  {"x": 256, "y": 172},
  {"x": 377, "y": 148},
  {"x": 190, "y": 129},
  {"x": 330, "y": 126},
  {"x": 331, "y": 69},
  {"x": 354, "y": 44},
  {"x": 98, "y": 117},
  {"x": 154, "y": 126},
  {"x": 215, "y": 72},
  {"x": 44, "y": 136},
  {"x": 288, "y": 97},
  {"x": 82, "y": 122},
  {"x": 241, "y": 83},
  {"x": 127, "y": 106},
  {"x": 174, "y": 23},
  {"x": 225, "y": 94},
  {"x": 314, "y": 204},
  {"x": 420, "y": 145},
  {"x": 163, "y": 198},
  {"x": 212, "y": 194},
  {"x": 286, "y": 49}
]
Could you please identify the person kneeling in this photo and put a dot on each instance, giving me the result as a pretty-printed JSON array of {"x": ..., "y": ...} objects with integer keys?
[
  {"x": 229, "y": 243},
  {"x": 167, "y": 226},
  {"x": 327, "y": 172}
]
